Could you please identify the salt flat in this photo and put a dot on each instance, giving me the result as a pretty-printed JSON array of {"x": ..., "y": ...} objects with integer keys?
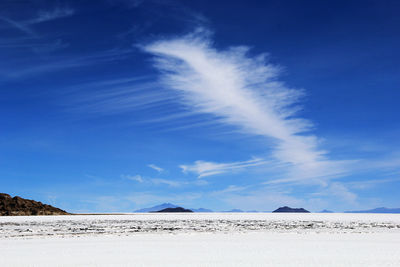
[{"x": 214, "y": 239}]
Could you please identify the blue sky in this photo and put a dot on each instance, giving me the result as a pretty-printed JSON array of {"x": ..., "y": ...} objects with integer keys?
[{"x": 120, "y": 104}]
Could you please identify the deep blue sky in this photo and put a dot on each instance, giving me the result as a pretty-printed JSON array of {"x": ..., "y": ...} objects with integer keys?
[{"x": 120, "y": 104}]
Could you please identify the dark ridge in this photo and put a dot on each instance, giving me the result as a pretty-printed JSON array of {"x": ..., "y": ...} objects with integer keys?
[
  {"x": 17, "y": 206},
  {"x": 288, "y": 209},
  {"x": 157, "y": 208},
  {"x": 178, "y": 209}
]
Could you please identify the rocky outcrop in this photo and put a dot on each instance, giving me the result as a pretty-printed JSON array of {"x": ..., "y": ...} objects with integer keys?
[
  {"x": 17, "y": 206},
  {"x": 178, "y": 209},
  {"x": 288, "y": 209}
]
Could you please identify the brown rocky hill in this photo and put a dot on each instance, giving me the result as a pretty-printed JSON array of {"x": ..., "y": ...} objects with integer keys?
[{"x": 17, "y": 206}]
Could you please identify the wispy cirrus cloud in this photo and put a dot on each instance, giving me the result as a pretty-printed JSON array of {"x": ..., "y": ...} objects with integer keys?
[
  {"x": 162, "y": 181},
  {"x": 25, "y": 26},
  {"x": 21, "y": 26},
  {"x": 366, "y": 184},
  {"x": 155, "y": 181},
  {"x": 207, "y": 168},
  {"x": 29, "y": 37},
  {"x": 55, "y": 64},
  {"x": 49, "y": 15},
  {"x": 155, "y": 167},
  {"x": 239, "y": 90},
  {"x": 159, "y": 181},
  {"x": 337, "y": 189},
  {"x": 229, "y": 189},
  {"x": 137, "y": 178},
  {"x": 127, "y": 3}
]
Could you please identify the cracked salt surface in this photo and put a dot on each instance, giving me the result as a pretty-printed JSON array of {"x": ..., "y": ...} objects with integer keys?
[
  {"x": 214, "y": 239},
  {"x": 133, "y": 224}
]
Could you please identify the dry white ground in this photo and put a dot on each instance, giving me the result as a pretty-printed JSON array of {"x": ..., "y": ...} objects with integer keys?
[{"x": 213, "y": 239}]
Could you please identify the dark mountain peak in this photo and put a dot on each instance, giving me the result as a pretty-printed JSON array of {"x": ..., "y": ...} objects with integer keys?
[
  {"x": 18, "y": 206},
  {"x": 157, "y": 207},
  {"x": 288, "y": 209},
  {"x": 177, "y": 209}
]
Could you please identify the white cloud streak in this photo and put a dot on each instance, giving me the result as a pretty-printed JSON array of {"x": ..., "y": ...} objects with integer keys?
[
  {"x": 206, "y": 168},
  {"x": 19, "y": 26},
  {"x": 158, "y": 181},
  {"x": 338, "y": 190},
  {"x": 43, "y": 16},
  {"x": 63, "y": 63},
  {"x": 155, "y": 167},
  {"x": 137, "y": 178},
  {"x": 49, "y": 15},
  {"x": 240, "y": 90},
  {"x": 366, "y": 184}
]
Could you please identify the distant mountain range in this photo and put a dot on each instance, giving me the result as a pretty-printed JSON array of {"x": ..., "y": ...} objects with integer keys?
[
  {"x": 281, "y": 209},
  {"x": 178, "y": 209},
  {"x": 157, "y": 208},
  {"x": 288, "y": 209},
  {"x": 169, "y": 206},
  {"x": 377, "y": 210}
]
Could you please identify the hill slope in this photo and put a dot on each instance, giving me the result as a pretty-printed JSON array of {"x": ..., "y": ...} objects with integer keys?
[{"x": 17, "y": 206}]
